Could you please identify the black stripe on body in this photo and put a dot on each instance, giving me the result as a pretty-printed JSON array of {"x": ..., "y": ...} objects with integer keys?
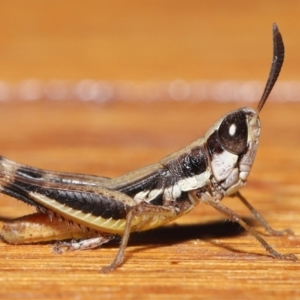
[
  {"x": 29, "y": 179},
  {"x": 148, "y": 178},
  {"x": 149, "y": 182},
  {"x": 195, "y": 162},
  {"x": 30, "y": 172},
  {"x": 88, "y": 202},
  {"x": 59, "y": 177},
  {"x": 188, "y": 164}
]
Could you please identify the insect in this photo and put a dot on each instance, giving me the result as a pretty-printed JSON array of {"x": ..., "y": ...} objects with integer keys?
[{"x": 94, "y": 210}]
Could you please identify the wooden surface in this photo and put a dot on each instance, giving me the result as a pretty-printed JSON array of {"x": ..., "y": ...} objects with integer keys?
[
  {"x": 198, "y": 256},
  {"x": 201, "y": 255}
]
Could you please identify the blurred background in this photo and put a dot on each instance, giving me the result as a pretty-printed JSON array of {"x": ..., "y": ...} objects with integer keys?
[{"x": 101, "y": 50}]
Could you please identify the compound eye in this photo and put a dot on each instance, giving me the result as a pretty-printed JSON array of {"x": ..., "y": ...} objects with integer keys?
[{"x": 233, "y": 132}]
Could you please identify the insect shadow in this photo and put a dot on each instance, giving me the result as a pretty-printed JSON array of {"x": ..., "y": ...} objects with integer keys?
[{"x": 175, "y": 234}]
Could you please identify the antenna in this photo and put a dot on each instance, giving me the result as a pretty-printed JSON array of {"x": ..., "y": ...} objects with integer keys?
[{"x": 278, "y": 58}]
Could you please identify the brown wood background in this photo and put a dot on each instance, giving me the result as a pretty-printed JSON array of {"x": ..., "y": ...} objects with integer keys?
[{"x": 199, "y": 256}]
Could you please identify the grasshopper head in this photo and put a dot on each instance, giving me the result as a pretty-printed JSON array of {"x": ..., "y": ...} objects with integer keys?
[{"x": 232, "y": 142}]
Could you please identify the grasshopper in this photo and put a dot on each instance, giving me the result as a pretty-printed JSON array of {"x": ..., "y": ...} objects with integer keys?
[{"x": 93, "y": 210}]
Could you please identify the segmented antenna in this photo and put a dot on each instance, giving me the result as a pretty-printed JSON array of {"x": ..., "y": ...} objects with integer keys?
[{"x": 278, "y": 58}]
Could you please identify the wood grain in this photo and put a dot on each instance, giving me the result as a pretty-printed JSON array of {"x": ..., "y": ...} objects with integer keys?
[{"x": 198, "y": 256}]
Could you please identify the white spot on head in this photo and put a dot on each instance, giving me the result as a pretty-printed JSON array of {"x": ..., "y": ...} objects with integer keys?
[
  {"x": 232, "y": 129},
  {"x": 222, "y": 164}
]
